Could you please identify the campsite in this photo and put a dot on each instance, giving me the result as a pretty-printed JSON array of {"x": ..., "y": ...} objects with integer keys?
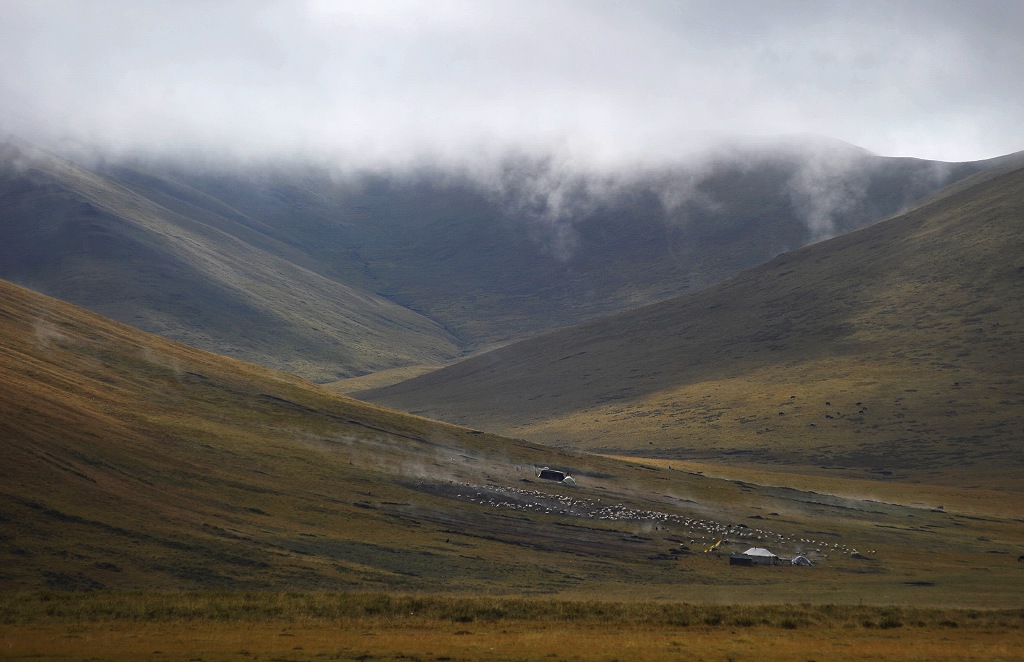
[{"x": 758, "y": 556}]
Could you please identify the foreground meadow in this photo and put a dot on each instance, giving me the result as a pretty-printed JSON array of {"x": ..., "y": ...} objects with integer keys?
[{"x": 319, "y": 626}]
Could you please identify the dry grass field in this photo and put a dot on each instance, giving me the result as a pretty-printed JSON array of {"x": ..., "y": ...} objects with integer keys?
[
  {"x": 972, "y": 499},
  {"x": 269, "y": 626},
  {"x": 131, "y": 462}
]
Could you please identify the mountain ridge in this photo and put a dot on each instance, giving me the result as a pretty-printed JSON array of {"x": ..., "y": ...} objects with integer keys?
[
  {"x": 191, "y": 279},
  {"x": 809, "y": 348},
  {"x": 331, "y": 274}
]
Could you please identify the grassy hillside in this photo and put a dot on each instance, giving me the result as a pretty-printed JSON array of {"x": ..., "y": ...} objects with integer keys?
[
  {"x": 130, "y": 461},
  {"x": 330, "y": 275},
  {"x": 536, "y": 245},
  {"x": 186, "y": 266},
  {"x": 893, "y": 351}
]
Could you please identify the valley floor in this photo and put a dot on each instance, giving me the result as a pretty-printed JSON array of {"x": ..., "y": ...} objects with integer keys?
[
  {"x": 128, "y": 626},
  {"x": 282, "y": 641}
]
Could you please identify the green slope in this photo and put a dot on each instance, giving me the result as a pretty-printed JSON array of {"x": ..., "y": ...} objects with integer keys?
[
  {"x": 299, "y": 267},
  {"x": 130, "y": 461},
  {"x": 535, "y": 245},
  {"x": 893, "y": 350},
  {"x": 190, "y": 268}
]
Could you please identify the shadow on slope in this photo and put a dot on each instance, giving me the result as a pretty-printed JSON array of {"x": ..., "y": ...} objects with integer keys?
[
  {"x": 331, "y": 275},
  {"x": 189, "y": 268},
  {"x": 893, "y": 348},
  {"x": 526, "y": 245}
]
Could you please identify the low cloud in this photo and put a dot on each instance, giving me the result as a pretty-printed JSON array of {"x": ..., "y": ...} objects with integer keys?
[
  {"x": 554, "y": 108},
  {"x": 825, "y": 186},
  {"x": 389, "y": 83},
  {"x": 551, "y": 195}
]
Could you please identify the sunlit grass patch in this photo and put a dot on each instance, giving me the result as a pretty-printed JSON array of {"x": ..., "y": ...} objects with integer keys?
[{"x": 156, "y": 607}]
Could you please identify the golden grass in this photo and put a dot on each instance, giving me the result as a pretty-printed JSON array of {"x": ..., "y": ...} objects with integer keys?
[
  {"x": 360, "y": 626},
  {"x": 140, "y": 463},
  {"x": 380, "y": 378},
  {"x": 973, "y": 500},
  {"x": 526, "y": 641}
]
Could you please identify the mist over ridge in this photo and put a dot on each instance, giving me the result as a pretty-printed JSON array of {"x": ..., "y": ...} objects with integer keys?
[
  {"x": 381, "y": 84},
  {"x": 825, "y": 181},
  {"x": 842, "y": 356},
  {"x": 480, "y": 255}
]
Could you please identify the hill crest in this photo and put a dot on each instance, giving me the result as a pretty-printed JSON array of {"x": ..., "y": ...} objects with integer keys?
[
  {"x": 333, "y": 275},
  {"x": 902, "y": 335},
  {"x": 191, "y": 269}
]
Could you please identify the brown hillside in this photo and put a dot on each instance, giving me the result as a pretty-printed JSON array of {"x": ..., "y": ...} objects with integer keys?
[
  {"x": 893, "y": 350},
  {"x": 129, "y": 461},
  {"x": 132, "y": 461}
]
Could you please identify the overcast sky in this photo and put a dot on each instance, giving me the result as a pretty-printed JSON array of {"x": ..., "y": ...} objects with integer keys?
[{"x": 609, "y": 82}]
